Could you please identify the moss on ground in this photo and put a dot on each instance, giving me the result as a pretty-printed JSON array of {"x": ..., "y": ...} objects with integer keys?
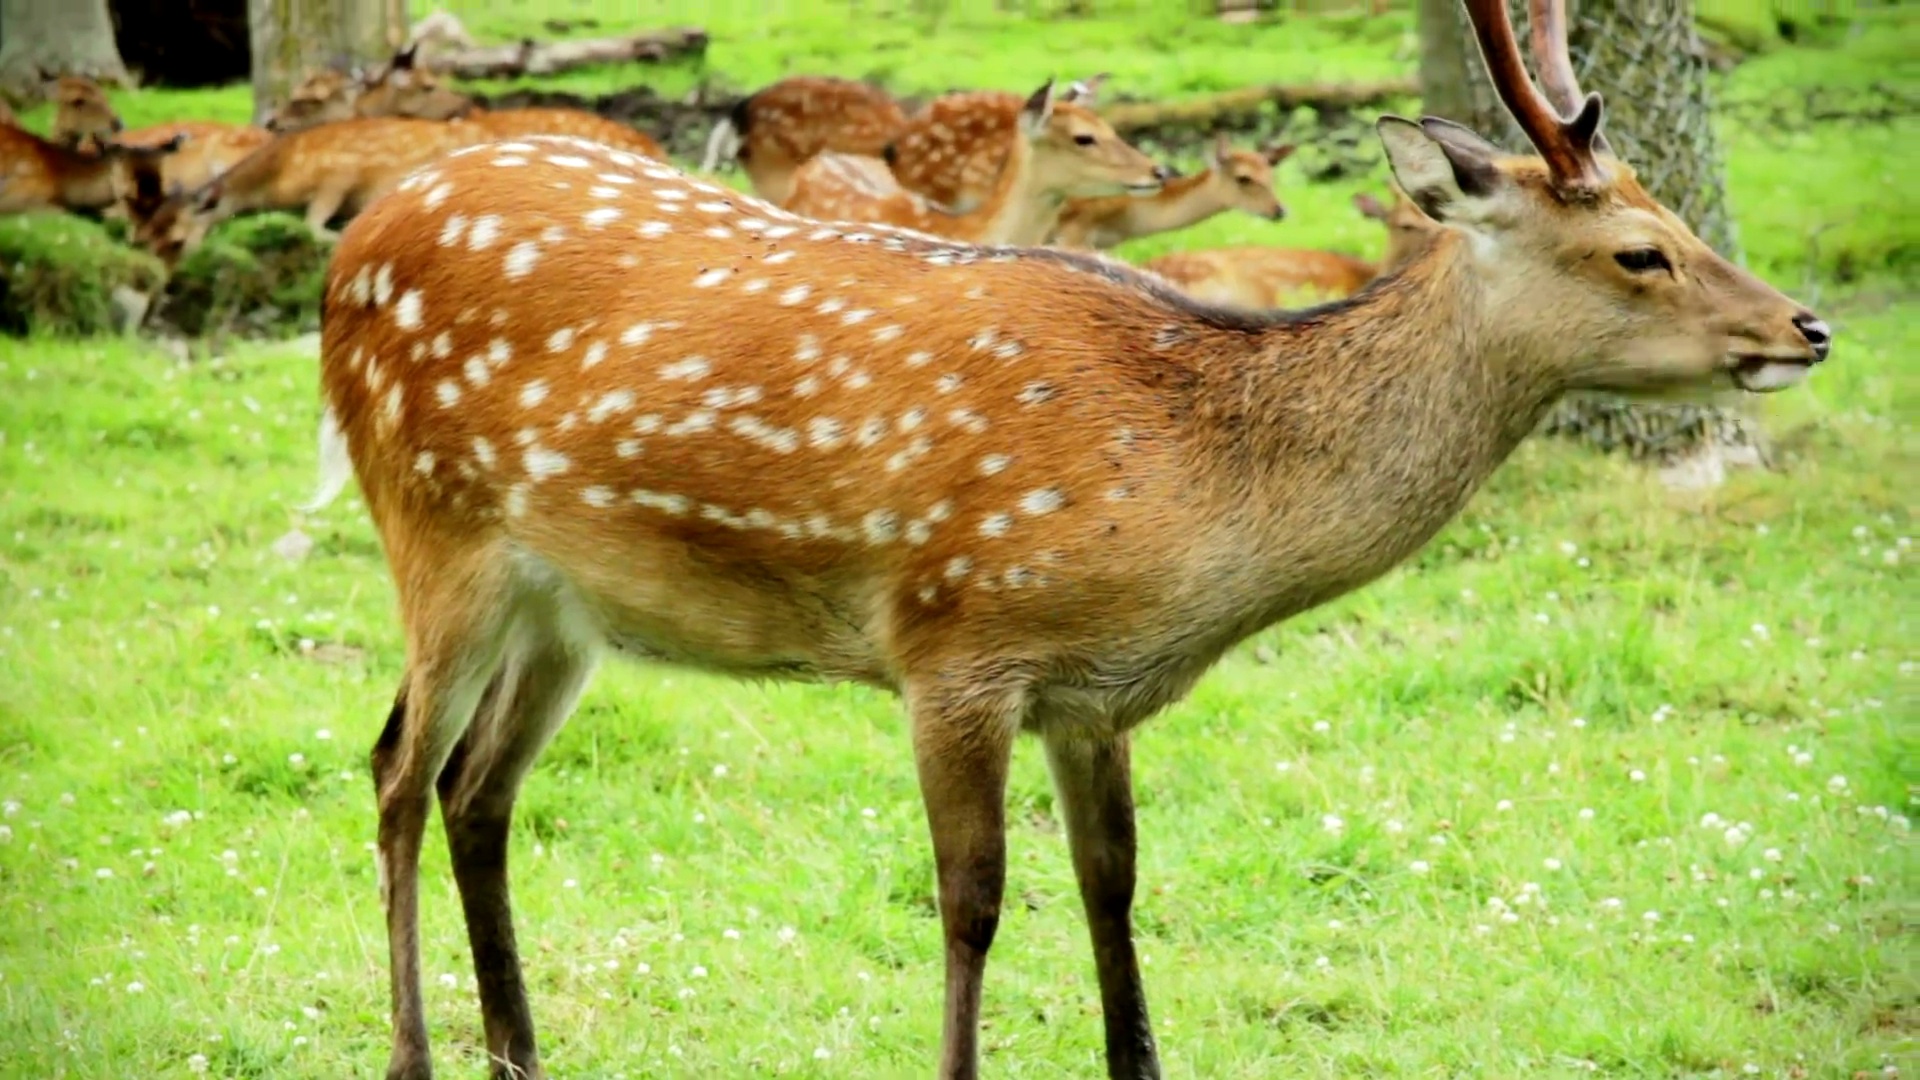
[{"x": 258, "y": 276}]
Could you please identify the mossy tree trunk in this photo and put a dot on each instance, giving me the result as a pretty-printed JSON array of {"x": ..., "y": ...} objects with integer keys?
[
  {"x": 294, "y": 38},
  {"x": 1644, "y": 56},
  {"x": 44, "y": 39}
]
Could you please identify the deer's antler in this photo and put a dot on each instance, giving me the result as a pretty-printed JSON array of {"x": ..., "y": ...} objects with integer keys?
[
  {"x": 1566, "y": 145},
  {"x": 1547, "y": 29}
]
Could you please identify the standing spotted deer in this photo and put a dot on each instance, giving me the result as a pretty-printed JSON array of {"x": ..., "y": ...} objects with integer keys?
[
  {"x": 598, "y": 406},
  {"x": 1233, "y": 180},
  {"x": 1057, "y": 150},
  {"x": 952, "y": 150},
  {"x": 772, "y": 132}
]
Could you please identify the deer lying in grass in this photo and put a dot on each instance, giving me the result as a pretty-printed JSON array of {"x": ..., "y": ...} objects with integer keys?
[
  {"x": 1266, "y": 277},
  {"x": 1026, "y": 489},
  {"x": 321, "y": 172},
  {"x": 952, "y": 150},
  {"x": 1234, "y": 180},
  {"x": 207, "y": 149},
  {"x": 399, "y": 89},
  {"x": 36, "y": 174},
  {"x": 775, "y": 130},
  {"x": 1058, "y": 150}
]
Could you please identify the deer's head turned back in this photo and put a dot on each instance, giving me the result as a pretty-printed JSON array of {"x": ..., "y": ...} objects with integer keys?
[{"x": 1576, "y": 265}]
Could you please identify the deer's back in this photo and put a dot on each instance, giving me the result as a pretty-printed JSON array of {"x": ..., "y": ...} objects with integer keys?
[
  {"x": 754, "y": 442},
  {"x": 513, "y": 123},
  {"x": 952, "y": 150}
]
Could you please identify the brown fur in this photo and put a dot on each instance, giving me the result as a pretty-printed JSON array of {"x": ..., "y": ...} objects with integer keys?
[
  {"x": 36, "y": 174},
  {"x": 83, "y": 118},
  {"x": 1026, "y": 489},
  {"x": 1024, "y": 207},
  {"x": 952, "y": 149},
  {"x": 7, "y": 118},
  {"x": 1235, "y": 180},
  {"x": 782, "y": 126}
]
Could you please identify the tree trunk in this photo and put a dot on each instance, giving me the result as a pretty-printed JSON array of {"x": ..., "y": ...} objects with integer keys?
[
  {"x": 1644, "y": 57},
  {"x": 44, "y": 39},
  {"x": 293, "y": 38}
]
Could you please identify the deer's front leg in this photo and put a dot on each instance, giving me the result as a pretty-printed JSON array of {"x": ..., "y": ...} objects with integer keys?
[
  {"x": 1095, "y": 782},
  {"x": 963, "y": 755}
]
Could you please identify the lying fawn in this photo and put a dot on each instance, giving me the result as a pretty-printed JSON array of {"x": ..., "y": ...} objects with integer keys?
[
  {"x": 83, "y": 118},
  {"x": 36, "y": 174},
  {"x": 1057, "y": 150},
  {"x": 951, "y": 151},
  {"x": 1265, "y": 277},
  {"x": 1234, "y": 180},
  {"x": 596, "y": 405},
  {"x": 322, "y": 172},
  {"x": 782, "y": 126}
]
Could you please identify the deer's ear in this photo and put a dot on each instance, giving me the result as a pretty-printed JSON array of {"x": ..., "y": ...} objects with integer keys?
[
  {"x": 1279, "y": 152},
  {"x": 1446, "y": 169},
  {"x": 1369, "y": 206},
  {"x": 1037, "y": 111}
]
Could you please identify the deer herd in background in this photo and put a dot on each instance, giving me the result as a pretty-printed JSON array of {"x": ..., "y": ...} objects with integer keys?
[{"x": 977, "y": 166}]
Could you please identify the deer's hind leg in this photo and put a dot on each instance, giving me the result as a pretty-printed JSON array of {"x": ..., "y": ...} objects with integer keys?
[
  {"x": 456, "y": 618},
  {"x": 540, "y": 679}
]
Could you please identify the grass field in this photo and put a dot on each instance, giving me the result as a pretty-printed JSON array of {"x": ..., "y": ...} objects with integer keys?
[{"x": 1609, "y": 780}]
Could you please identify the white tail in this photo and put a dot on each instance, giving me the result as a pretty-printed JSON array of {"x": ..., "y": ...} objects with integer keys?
[
  {"x": 599, "y": 406},
  {"x": 336, "y": 464}
]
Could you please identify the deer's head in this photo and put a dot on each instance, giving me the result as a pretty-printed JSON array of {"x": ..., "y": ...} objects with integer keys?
[
  {"x": 321, "y": 98},
  {"x": 1408, "y": 229},
  {"x": 1078, "y": 155},
  {"x": 139, "y": 177},
  {"x": 402, "y": 89},
  {"x": 1244, "y": 179},
  {"x": 1576, "y": 260},
  {"x": 83, "y": 118}
]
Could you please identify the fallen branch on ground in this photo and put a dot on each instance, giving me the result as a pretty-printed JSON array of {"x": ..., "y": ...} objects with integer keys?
[{"x": 529, "y": 57}]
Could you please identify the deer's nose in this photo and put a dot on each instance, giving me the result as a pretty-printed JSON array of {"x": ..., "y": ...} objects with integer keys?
[
  {"x": 1163, "y": 174},
  {"x": 1817, "y": 333}
]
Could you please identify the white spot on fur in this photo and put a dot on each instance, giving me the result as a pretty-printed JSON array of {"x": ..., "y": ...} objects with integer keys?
[
  {"x": 517, "y": 500},
  {"x": 442, "y": 345},
  {"x": 448, "y": 392},
  {"x": 406, "y": 313},
  {"x": 825, "y": 433},
  {"x": 778, "y": 257},
  {"x": 637, "y": 334},
  {"x": 958, "y": 567},
  {"x": 499, "y": 352},
  {"x": 647, "y": 423},
  {"x": 948, "y": 383},
  {"x": 451, "y": 231},
  {"x": 560, "y": 340},
  {"x": 1043, "y": 501},
  {"x": 1007, "y": 350},
  {"x": 601, "y": 217},
  {"x": 483, "y": 452},
  {"x": 692, "y": 369},
  {"x": 694, "y": 423},
  {"x": 485, "y": 231},
  {"x": 919, "y": 359},
  {"x": 477, "y": 372},
  {"x": 542, "y": 462},
  {"x": 597, "y": 496},
  {"x": 872, "y": 430},
  {"x": 383, "y": 285},
  {"x": 627, "y": 448},
  {"x": 808, "y": 386},
  {"x": 613, "y": 401},
  {"x": 996, "y": 524},
  {"x": 794, "y": 296},
  {"x": 1036, "y": 393},
  {"x": 653, "y": 230},
  {"x": 778, "y": 439},
  {"x": 596, "y": 352},
  {"x": 884, "y": 334},
  {"x": 967, "y": 419},
  {"x": 711, "y": 278},
  {"x": 994, "y": 463},
  {"x": 438, "y": 195},
  {"x": 568, "y": 161},
  {"x": 423, "y": 463},
  {"x": 940, "y": 511},
  {"x": 533, "y": 393},
  {"x": 1017, "y": 576},
  {"x": 855, "y": 317},
  {"x": 881, "y": 526},
  {"x": 830, "y": 306},
  {"x": 676, "y": 505},
  {"x": 520, "y": 260}
]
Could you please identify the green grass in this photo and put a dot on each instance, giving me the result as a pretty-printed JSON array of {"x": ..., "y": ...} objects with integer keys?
[{"x": 185, "y": 715}]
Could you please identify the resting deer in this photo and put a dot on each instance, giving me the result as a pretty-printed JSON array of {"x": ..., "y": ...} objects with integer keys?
[
  {"x": 399, "y": 89},
  {"x": 1234, "y": 180},
  {"x": 83, "y": 118},
  {"x": 1264, "y": 277},
  {"x": 1057, "y": 151},
  {"x": 951, "y": 151},
  {"x": 36, "y": 174},
  {"x": 782, "y": 126},
  {"x": 1026, "y": 489}
]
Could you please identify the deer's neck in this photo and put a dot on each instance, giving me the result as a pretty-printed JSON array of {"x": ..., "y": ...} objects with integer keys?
[
  {"x": 1184, "y": 201},
  {"x": 1015, "y": 211},
  {"x": 86, "y": 180},
  {"x": 1354, "y": 432}
]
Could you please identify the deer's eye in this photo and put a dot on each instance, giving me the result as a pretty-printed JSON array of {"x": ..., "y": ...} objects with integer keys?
[
  {"x": 1643, "y": 260},
  {"x": 1085, "y": 140}
]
